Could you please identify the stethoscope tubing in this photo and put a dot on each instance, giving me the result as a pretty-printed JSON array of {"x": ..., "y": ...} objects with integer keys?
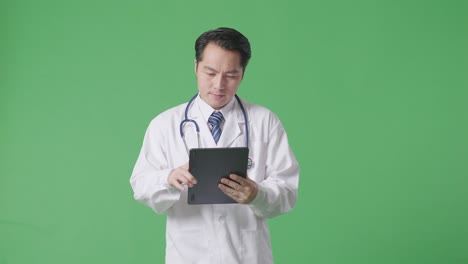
[{"x": 197, "y": 128}]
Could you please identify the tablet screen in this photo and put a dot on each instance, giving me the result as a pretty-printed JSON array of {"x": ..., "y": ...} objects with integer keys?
[{"x": 209, "y": 166}]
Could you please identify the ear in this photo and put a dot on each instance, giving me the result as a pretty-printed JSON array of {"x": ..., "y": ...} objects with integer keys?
[{"x": 196, "y": 65}]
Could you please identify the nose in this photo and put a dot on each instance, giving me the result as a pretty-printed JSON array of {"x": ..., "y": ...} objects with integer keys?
[{"x": 219, "y": 82}]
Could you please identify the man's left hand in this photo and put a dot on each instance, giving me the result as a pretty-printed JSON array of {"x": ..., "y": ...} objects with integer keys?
[{"x": 242, "y": 190}]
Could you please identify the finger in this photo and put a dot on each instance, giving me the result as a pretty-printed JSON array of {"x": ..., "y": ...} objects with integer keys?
[
  {"x": 232, "y": 184},
  {"x": 176, "y": 184},
  {"x": 181, "y": 179},
  {"x": 182, "y": 174},
  {"x": 173, "y": 180},
  {"x": 229, "y": 191},
  {"x": 184, "y": 170},
  {"x": 239, "y": 179},
  {"x": 238, "y": 196},
  {"x": 187, "y": 175},
  {"x": 244, "y": 182}
]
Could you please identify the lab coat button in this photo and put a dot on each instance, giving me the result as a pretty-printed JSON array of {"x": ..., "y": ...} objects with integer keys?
[{"x": 221, "y": 218}]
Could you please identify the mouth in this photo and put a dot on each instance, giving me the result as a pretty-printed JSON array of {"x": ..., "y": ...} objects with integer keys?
[{"x": 218, "y": 96}]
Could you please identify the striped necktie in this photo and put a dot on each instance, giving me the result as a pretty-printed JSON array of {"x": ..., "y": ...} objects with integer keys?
[{"x": 215, "y": 121}]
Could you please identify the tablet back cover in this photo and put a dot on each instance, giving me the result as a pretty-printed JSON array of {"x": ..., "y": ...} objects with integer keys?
[{"x": 209, "y": 166}]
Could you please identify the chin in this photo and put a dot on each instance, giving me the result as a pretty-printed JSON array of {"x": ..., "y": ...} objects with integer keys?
[{"x": 217, "y": 104}]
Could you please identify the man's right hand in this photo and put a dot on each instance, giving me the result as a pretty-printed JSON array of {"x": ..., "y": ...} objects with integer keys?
[{"x": 181, "y": 175}]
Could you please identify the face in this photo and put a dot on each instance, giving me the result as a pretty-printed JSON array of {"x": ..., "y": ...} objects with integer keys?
[{"x": 219, "y": 74}]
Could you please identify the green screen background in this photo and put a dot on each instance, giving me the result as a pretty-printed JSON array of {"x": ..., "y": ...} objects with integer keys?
[{"x": 373, "y": 95}]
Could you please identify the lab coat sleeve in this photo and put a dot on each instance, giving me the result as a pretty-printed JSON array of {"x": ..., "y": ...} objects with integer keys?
[
  {"x": 149, "y": 177},
  {"x": 277, "y": 193}
]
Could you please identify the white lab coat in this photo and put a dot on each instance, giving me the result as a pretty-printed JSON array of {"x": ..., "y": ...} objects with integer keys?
[{"x": 225, "y": 233}]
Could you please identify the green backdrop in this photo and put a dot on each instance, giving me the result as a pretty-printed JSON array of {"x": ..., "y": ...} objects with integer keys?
[{"x": 373, "y": 95}]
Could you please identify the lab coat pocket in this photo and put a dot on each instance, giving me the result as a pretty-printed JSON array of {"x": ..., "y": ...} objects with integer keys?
[
  {"x": 189, "y": 245},
  {"x": 258, "y": 152},
  {"x": 255, "y": 247}
]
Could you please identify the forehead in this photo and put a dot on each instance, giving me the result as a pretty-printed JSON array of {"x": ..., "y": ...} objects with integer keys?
[{"x": 213, "y": 53}]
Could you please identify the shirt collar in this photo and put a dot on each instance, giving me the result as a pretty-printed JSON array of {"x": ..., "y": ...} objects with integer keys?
[{"x": 207, "y": 110}]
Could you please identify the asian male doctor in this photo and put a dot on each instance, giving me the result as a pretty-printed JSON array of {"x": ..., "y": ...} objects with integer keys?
[{"x": 217, "y": 233}]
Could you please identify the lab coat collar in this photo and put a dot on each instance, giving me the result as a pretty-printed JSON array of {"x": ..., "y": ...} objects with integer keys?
[
  {"x": 234, "y": 120},
  {"x": 206, "y": 110},
  {"x": 232, "y": 107}
]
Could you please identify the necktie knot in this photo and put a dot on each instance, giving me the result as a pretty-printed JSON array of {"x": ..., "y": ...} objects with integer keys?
[
  {"x": 216, "y": 118},
  {"x": 215, "y": 121}
]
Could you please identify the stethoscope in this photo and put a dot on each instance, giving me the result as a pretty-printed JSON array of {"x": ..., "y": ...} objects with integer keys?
[{"x": 197, "y": 128}]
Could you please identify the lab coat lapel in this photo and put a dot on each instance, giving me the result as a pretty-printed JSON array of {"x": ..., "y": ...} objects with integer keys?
[
  {"x": 231, "y": 128},
  {"x": 206, "y": 138}
]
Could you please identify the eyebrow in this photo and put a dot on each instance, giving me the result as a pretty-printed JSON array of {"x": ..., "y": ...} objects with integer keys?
[{"x": 228, "y": 72}]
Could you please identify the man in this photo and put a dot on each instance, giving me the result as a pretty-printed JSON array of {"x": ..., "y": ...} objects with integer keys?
[{"x": 217, "y": 233}]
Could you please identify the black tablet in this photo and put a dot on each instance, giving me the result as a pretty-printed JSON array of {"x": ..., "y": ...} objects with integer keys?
[{"x": 209, "y": 166}]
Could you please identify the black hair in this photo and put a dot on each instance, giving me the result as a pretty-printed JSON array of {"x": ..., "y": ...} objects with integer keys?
[{"x": 226, "y": 38}]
